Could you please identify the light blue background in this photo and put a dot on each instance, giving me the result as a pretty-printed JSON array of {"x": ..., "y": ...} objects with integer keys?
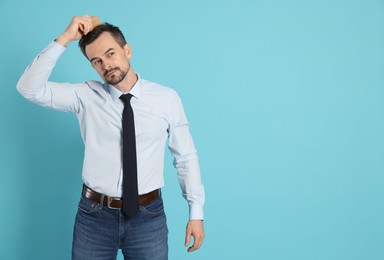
[{"x": 285, "y": 101}]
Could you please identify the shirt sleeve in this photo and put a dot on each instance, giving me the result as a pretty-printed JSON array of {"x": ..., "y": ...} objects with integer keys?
[
  {"x": 186, "y": 160},
  {"x": 35, "y": 87}
]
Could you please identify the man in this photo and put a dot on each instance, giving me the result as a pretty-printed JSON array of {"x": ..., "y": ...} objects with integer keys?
[{"x": 126, "y": 116}]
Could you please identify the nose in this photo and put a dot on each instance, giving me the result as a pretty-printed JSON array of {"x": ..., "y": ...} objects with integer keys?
[{"x": 107, "y": 66}]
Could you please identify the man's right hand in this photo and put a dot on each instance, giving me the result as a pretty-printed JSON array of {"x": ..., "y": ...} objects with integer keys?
[{"x": 75, "y": 30}]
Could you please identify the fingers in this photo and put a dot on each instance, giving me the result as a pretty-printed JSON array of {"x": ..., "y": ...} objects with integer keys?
[
  {"x": 84, "y": 23},
  {"x": 197, "y": 242},
  {"x": 196, "y": 230},
  {"x": 79, "y": 26},
  {"x": 187, "y": 237}
]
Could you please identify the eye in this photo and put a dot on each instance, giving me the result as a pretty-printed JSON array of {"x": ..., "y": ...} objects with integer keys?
[
  {"x": 96, "y": 62},
  {"x": 110, "y": 54}
]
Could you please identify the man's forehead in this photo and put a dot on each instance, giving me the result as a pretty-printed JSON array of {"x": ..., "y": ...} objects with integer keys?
[{"x": 101, "y": 46}]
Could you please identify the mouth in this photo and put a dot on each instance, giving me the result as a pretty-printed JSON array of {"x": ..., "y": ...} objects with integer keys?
[{"x": 109, "y": 73}]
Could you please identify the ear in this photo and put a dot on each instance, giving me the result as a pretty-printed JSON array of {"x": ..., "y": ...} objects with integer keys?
[{"x": 128, "y": 50}]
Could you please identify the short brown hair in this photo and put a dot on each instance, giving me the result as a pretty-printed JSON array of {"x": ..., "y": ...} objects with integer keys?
[{"x": 95, "y": 33}]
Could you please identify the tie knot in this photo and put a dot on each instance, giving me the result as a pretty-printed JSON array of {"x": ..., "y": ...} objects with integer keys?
[{"x": 126, "y": 97}]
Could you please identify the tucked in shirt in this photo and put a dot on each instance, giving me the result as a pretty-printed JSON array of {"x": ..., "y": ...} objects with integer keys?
[{"x": 158, "y": 115}]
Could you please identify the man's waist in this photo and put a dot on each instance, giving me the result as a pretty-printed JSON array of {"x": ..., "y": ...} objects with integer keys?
[{"x": 115, "y": 202}]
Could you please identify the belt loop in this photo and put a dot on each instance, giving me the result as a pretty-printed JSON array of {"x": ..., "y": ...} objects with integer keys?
[{"x": 102, "y": 201}]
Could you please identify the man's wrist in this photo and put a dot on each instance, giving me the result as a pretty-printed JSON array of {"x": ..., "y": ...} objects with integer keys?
[{"x": 63, "y": 40}]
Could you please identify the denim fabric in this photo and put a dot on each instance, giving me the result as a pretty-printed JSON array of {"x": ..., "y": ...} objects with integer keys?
[{"x": 100, "y": 232}]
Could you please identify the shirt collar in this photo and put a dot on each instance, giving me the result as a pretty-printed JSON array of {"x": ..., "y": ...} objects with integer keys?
[{"x": 135, "y": 90}]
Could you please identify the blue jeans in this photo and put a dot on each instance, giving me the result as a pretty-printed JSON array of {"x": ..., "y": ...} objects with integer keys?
[{"x": 100, "y": 232}]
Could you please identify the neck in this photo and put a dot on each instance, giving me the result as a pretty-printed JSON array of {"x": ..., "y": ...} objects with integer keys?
[{"x": 128, "y": 82}]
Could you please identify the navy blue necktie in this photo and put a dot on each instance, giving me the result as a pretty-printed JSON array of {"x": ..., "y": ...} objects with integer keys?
[{"x": 130, "y": 190}]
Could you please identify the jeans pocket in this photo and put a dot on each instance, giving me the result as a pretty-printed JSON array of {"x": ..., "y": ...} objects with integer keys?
[
  {"x": 154, "y": 208},
  {"x": 88, "y": 206}
]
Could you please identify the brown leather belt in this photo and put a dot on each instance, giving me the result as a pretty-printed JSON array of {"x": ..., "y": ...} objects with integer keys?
[{"x": 117, "y": 203}]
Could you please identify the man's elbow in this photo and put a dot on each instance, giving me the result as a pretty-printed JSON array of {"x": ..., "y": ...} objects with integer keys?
[{"x": 22, "y": 88}]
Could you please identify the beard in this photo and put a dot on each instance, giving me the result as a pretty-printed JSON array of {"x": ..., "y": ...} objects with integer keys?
[{"x": 115, "y": 78}]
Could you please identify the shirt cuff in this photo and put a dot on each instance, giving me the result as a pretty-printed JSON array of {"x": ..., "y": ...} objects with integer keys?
[
  {"x": 54, "y": 50},
  {"x": 196, "y": 212}
]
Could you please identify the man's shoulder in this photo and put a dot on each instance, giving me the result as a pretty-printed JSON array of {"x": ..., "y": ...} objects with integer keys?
[
  {"x": 94, "y": 84},
  {"x": 157, "y": 88},
  {"x": 97, "y": 85}
]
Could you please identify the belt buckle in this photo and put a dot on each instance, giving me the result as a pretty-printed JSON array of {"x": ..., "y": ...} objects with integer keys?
[{"x": 109, "y": 200}]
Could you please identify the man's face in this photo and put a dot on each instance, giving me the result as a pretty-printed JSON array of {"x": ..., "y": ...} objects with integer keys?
[{"x": 109, "y": 59}]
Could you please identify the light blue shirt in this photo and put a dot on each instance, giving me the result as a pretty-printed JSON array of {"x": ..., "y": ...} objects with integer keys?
[{"x": 159, "y": 115}]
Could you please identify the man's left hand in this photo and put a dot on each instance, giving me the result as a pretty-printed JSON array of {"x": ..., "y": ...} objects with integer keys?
[{"x": 194, "y": 228}]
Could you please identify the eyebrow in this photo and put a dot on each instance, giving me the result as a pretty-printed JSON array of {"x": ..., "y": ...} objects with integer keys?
[{"x": 95, "y": 58}]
